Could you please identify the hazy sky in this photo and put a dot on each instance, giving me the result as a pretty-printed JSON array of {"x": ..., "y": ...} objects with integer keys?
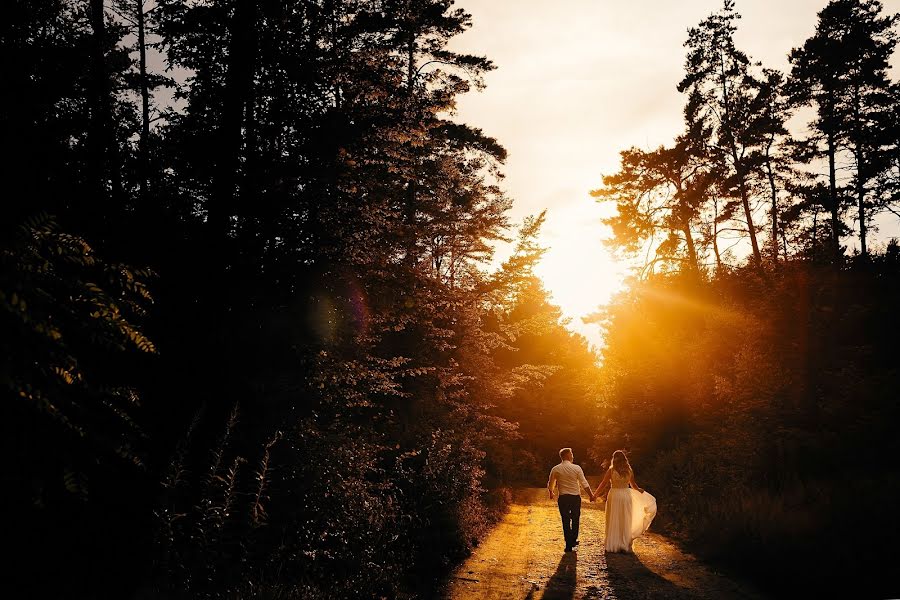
[{"x": 578, "y": 81}]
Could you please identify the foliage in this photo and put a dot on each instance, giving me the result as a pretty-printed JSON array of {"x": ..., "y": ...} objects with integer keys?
[
  {"x": 328, "y": 414},
  {"x": 759, "y": 416},
  {"x": 70, "y": 337},
  {"x": 691, "y": 203},
  {"x": 755, "y": 396},
  {"x": 842, "y": 72},
  {"x": 67, "y": 316},
  {"x": 339, "y": 388}
]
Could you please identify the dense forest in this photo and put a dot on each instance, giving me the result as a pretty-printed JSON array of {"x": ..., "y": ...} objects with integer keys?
[
  {"x": 253, "y": 339},
  {"x": 751, "y": 367},
  {"x": 256, "y": 342}
]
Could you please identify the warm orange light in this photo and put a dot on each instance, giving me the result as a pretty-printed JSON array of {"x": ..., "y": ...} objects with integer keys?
[{"x": 578, "y": 269}]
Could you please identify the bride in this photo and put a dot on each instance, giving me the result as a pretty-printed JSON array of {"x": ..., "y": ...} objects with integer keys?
[{"x": 629, "y": 511}]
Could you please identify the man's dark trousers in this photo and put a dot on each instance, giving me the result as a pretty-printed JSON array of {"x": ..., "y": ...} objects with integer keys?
[{"x": 570, "y": 511}]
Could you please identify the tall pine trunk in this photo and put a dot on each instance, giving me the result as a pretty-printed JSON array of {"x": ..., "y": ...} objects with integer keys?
[
  {"x": 238, "y": 80},
  {"x": 859, "y": 155},
  {"x": 692, "y": 250},
  {"x": 738, "y": 169},
  {"x": 107, "y": 170},
  {"x": 686, "y": 228},
  {"x": 748, "y": 215},
  {"x": 715, "y": 234},
  {"x": 410, "y": 208},
  {"x": 861, "y": 199},
  {"x": 833, "y": 200},
  {"x": 773, "y": 191},
  {"x": 144, "y": 159}
]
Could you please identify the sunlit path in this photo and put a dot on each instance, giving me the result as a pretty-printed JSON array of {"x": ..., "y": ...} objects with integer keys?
[{"x": 523, "y": 558}]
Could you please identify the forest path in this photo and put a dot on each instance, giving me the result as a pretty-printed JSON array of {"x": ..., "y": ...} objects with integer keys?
[{"x": 523, "y": 558}]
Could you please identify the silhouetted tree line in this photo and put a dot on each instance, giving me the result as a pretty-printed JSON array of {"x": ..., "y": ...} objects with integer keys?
[
  {"x": 738, "y": 172},
  {"x": 308, "y": 384},
  {"x": 756, "y": 387}
]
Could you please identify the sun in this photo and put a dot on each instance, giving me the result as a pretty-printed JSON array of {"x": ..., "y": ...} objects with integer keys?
[{"x": 578, "y": 270}]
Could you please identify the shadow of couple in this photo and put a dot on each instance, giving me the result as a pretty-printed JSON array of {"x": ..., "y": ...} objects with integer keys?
[{"x": 628, "y": 578}]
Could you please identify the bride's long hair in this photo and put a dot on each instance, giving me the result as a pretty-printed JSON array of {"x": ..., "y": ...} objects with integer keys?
[{"x": 620, "y": 463}]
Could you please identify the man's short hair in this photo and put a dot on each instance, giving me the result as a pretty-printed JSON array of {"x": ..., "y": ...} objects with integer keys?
[{"x": 564, "y": 452}]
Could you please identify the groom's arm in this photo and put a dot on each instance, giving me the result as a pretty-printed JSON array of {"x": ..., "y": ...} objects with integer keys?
[
  {"x": 584, "y": 483},
  {"x": 550, "y": 483}
]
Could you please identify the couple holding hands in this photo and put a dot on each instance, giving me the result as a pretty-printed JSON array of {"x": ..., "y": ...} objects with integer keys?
[{"x": 629, "y": 509}]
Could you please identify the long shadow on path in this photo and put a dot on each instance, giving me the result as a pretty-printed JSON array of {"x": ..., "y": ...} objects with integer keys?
[
  {"x": 630, "y": 579},
  {"x": 561, "y": 585}
]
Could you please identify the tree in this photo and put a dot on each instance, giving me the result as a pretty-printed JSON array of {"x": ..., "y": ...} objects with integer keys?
[
  {"x": 888, "y": 180},
  {"x": 109, "y": 188},
  {"x": 842, "y": 71},
  {"x": 136, "y": 15},
  {"x": 321, "y": 227},
  {"x": 720, "y": 89},
  {"x": 773, "y": 111},
  {"x": 658, "y": 196},
  {"x": 74, "y": 434},
  {"x": 66, "y": 118},
  {"x": 362, "y": 216}
]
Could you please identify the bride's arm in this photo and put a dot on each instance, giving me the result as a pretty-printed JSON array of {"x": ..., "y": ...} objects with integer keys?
[
  {"x": 635, "y": 485},
  {"x": 602, "y": 483}
]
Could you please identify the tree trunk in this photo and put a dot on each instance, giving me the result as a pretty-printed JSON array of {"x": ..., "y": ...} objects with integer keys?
[
  {"x": 861, "y": 198},
  {"x": 815, "y": 225},
  {"x": 859, "y": 153},
  {"x": 411, "y": 63},
  {"x": 739, "y": 171},
  {"x": 144, "y": 152},
  {"x": 860, "y": 171},
  {"x": 692, "y": 250},
  {"x": 238, "y": 80},
  {"x": 748, "y": 216},
  {"x": 97, "y": 136},
  {"x": 833, "y": 198},
  {"x": 254, "y": 206},
  {"x": 107, "y": 171},
  {"x": 784, "y": 244},
  {"x": 715, "y": 234},
  {"x": 773, "y": 191},
  {"x": 410, "y": 212},
  {"x": 685, "y": 219}
]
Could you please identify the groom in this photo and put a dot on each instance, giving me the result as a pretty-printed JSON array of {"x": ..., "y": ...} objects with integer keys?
[{"x": 569, "y": 479}]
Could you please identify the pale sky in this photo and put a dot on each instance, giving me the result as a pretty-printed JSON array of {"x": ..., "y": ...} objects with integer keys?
[{"x": 578, "y": 81}]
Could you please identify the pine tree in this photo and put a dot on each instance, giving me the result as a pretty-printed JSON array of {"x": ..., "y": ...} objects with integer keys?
[
  {"x": 720, "y": 89},
  {"x": 659, "y": 197},
  {"x": 772, "y": 113},
  {"x": 841, "y": 71}
]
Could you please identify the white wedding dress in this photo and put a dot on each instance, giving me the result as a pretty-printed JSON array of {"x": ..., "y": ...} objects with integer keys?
[{"x": 628, "y": 514}]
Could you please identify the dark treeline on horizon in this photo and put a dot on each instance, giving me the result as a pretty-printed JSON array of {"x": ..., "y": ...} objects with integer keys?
[{"x": 255, "y": 345}]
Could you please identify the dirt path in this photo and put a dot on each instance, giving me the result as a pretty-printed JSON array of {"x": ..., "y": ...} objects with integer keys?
[{"x": 523, "y": 558}]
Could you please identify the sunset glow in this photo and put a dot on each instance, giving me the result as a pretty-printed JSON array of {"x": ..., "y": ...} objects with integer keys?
[
  {"x": 578, "y": 82},
  {"x": 454, "y": 299},
  {"x": 577, "y": 269}
]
